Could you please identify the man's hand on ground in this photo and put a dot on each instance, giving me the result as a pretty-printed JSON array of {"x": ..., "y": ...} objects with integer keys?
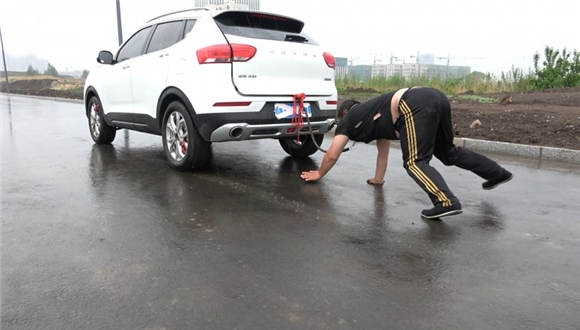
[
  {"x": 375, "y": 182},
  {"x": 310, "y": 176}
]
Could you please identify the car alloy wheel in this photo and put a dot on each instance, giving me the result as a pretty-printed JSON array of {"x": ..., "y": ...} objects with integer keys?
[
  {"x": 95, "y": 120},
  {"x": 177, "y": 136}
]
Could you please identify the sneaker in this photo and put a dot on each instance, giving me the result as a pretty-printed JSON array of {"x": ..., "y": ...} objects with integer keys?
[
  {"x": 503, "y": 178},
  {"x": 442, "y": 211}
]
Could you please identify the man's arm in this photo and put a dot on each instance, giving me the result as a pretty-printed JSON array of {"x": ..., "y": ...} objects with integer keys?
[
  {"x": 383, "y": 147},
  {"x": 331, "y": 157}
]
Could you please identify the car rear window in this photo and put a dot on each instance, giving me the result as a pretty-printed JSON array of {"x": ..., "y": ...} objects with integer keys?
[
  {"x": 189, "y": 26},
  {"x": 262, "y": 26},
  {"x": 165, "y": 35}
]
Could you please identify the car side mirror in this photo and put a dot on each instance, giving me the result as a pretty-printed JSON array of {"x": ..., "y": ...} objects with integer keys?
[{"x": 105, "y": 57}]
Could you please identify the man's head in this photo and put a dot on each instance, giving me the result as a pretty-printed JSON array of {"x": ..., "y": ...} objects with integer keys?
[{"x": 343, "y": 108}]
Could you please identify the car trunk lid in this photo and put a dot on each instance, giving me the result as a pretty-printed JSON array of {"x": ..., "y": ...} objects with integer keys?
[{"x": 286, "y": 61}]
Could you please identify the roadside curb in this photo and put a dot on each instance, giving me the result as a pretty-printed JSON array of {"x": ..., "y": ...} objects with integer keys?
[
  {"x": 522, "y": 150},
  {"x": 50, "y": 98}
]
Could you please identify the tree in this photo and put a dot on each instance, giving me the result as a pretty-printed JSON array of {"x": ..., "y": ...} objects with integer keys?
[
  {"x": 31, "y": 71},
  {"x": 51, "y": 70}
]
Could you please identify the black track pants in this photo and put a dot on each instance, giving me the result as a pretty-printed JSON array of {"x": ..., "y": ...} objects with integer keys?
[{"x": 426, "y": 130}]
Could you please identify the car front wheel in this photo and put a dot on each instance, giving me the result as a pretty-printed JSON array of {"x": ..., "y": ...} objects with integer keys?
[{"x": 100, "y": 131}]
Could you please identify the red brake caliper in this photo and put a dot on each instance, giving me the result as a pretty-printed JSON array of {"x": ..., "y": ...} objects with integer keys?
[{"x": 184, "y": 147}]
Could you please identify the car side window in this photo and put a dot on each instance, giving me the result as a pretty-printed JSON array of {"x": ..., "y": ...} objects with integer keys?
[
  {"x": 189, "y": 26},
  {"x": 165, "y": 35},
  {"x": 135, "y": 45}
]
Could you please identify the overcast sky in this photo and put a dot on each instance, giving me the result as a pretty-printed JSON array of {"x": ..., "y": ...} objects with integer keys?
[{"x": 488, "y": 35}]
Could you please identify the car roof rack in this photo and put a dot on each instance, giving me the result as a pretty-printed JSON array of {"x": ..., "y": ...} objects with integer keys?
[{"x": 177, "y": 12}]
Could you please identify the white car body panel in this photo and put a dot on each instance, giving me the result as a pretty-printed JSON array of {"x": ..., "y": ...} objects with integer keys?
[
  {"x": 115, "y": 88},
  {"x": 282, "y": 68},
  {"x": 149, "y": 79}
]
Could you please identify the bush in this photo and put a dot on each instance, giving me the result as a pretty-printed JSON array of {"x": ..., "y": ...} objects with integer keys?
[{"x": 557, "y": 70}]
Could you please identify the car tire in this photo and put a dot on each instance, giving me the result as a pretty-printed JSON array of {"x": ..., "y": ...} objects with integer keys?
[
  {"x": 183, "y": 146},
  {"x": 100, "y": 131},
  {"x": 302, "y": 149}
]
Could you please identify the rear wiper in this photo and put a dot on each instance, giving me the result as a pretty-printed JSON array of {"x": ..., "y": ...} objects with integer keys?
[{"x": 295, "y": 38}]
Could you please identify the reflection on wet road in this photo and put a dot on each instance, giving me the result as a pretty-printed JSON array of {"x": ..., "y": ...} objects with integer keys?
[{"x": 110, "y": 237}]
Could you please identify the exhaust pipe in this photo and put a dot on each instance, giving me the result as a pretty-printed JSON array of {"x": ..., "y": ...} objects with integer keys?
[{"x": 236, "y": 132}]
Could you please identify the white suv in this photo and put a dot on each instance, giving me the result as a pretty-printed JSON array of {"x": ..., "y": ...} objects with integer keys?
[{"x": 200, "y": 76}]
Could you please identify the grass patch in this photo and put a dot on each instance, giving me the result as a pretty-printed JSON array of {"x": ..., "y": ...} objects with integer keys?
[
  {"x": 76, "y": 89},
  {"x": 477, "y": 98},
  {"x": 30, "y": 77}
]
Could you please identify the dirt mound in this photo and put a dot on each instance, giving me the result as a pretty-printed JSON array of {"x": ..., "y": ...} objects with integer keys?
[
  {"x": 68, "y": 94},
  {"x": 40, "y": 86},
  {"x": 535, "y": 127},
  {"x": 559, "y": 96},
  {"x": 33, "y": 84}
]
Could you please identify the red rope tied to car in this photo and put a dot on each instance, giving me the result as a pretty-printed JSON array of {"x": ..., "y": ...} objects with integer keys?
[{"x": 297, "y": 112}]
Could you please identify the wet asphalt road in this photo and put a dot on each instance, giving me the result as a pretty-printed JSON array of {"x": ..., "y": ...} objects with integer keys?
[{"x": 108, "y": 237}]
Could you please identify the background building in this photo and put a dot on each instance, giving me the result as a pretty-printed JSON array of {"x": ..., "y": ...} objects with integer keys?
[
  {"x": 411, "y": 70},
  {"x": 360, "y": 72},
  {"x": 426, "y": 59},
  {"x": 379, "y": 70},
  {"x": 228, "y": 4},
  {"x": 423, "y": 65},
  {"x": 447, "y": 71}
]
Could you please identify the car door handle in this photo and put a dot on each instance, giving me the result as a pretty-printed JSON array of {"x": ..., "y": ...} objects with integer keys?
[
  {"x": 125, "y": 67},
  {"x": 163, "y": 55}
]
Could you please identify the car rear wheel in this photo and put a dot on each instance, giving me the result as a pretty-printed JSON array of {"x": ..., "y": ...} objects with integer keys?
[
  {"x": 184, "y": 148},
  {"x": 100, "y": 131},
  {"x": 303, "y": 148}
]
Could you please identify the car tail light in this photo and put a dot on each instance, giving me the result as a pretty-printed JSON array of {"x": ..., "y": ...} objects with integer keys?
[
  {"x": 223, "y": 53},
  {"x": 243, "y": 53},
  {"x": 332, "y": 102},
  {"x": 330, "y": 61}
]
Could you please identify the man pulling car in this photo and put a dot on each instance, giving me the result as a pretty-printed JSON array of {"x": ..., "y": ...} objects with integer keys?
[{"x": 421, "y": 119}]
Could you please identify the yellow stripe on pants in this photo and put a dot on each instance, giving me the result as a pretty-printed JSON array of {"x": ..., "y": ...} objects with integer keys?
[
  {"x": 413, "y": 155},
  {"x": 426, "y": 180},
  {"x": 412, "y": 142},
  {"x": 411, "y": 139}
]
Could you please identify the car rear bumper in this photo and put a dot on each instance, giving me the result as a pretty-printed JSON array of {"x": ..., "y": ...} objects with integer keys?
[
  {"x": 245, "y": 131},
  {"x": 248, "y": 125}
]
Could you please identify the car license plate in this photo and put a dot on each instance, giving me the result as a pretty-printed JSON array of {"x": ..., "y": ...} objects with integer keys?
[{"x": 285, "y": 110}]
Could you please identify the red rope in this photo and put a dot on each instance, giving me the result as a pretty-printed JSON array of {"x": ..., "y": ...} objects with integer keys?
[{"x": 297, "y": 112}]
